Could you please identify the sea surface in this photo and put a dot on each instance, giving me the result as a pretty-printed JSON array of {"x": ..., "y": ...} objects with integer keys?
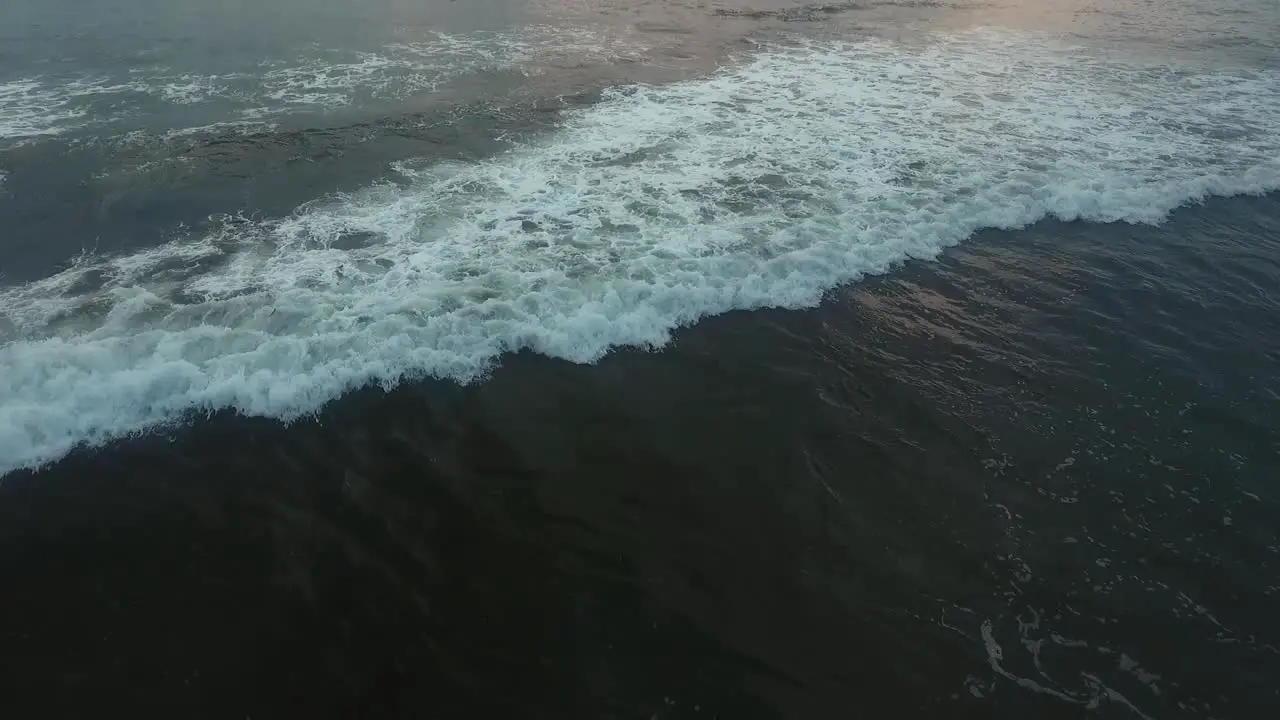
[{"x": 640, "y": 359}]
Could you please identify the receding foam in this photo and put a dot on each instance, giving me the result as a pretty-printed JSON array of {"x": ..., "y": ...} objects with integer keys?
[
  {"x": 43, "y": 106},
  {"x": 801, "y": 168}
]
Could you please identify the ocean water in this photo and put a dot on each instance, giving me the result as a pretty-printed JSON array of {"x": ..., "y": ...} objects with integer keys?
[{"x": 640, "y": 359}]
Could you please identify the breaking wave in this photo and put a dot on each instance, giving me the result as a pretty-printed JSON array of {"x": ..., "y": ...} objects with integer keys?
[{"x": 803, "y": 167}]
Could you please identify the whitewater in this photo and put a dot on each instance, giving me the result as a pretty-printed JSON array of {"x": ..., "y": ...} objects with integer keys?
[{"x": 803, "y": 166}]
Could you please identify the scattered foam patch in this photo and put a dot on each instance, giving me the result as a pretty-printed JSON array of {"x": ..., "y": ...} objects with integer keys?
[
  {"x": 804, "y": 167},
  {"x": 42, "y": 106},
  {"x": 30, "y": 108}
]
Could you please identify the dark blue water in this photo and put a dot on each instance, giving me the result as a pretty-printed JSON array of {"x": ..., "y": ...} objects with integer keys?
[{"x": 640, "y": 360}]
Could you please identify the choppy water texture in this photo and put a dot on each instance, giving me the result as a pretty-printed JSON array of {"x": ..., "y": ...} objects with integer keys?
[{"x": 919, "y": 356}]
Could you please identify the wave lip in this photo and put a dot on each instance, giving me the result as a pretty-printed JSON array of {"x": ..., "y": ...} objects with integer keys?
[{"x": 804, "y": 167}]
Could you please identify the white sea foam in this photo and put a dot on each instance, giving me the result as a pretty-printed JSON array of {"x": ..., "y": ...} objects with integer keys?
[
  {"x": 40, "y": 106},
  {"x": 29, "y": 108},
  {"x": 765, "y": 185}
]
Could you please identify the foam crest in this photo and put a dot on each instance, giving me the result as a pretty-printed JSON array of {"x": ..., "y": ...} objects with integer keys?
[{"x": 799, "y": 169}]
